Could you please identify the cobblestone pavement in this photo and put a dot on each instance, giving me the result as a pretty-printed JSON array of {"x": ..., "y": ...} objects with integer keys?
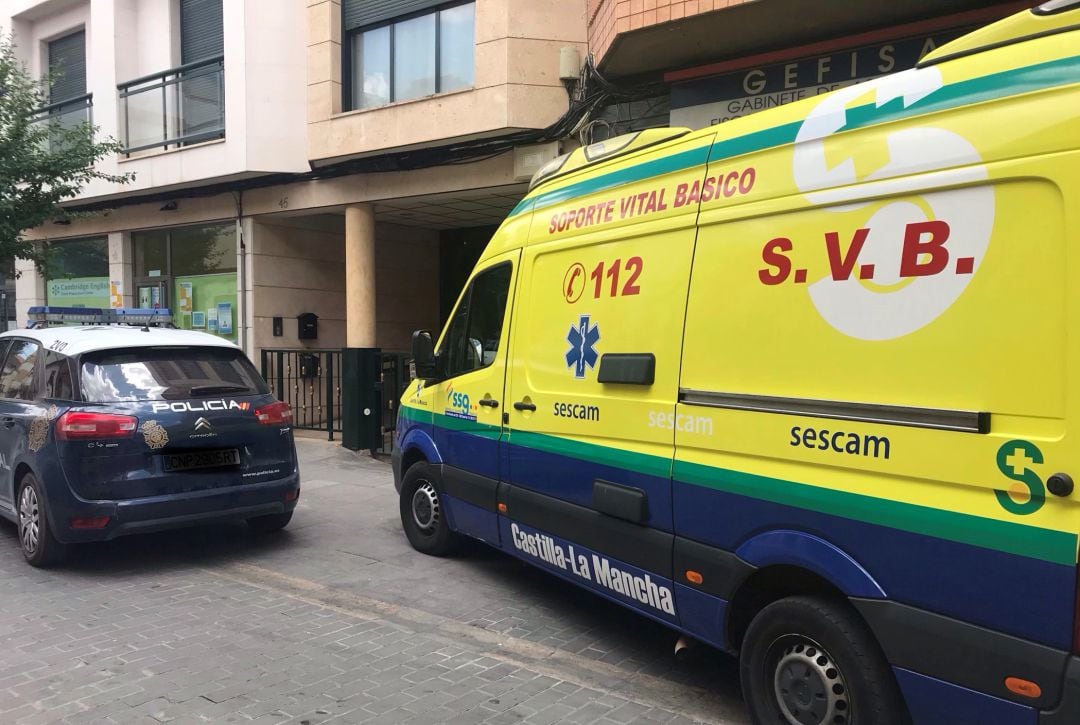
[{"x": 337, "y": 620}]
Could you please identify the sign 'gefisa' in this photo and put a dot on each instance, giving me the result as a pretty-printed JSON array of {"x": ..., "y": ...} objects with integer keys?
[{"x": 716, "y": 99}]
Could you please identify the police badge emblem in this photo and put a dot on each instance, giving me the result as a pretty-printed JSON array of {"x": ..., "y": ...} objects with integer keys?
[
  {"x": 154, "y": 434},
  {"x": 39, "y": 429}
]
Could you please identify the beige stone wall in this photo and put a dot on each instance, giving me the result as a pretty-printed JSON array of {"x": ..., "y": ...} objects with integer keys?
[
  {"x": 516, "y": 81},
  {"x": 298, "y": 265},
  {"x": 406, "y": 284}
]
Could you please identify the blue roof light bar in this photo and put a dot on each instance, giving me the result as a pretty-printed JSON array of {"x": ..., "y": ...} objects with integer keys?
[{"x": 51, "y": 315}]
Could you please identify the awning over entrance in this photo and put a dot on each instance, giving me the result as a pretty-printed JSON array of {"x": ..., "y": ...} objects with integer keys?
[{"x": 452, "y": 210}]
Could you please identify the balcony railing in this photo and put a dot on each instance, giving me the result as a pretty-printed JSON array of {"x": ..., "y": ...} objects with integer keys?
[
  {"x": 177, "y": 107},
  {"x": 69, "y": 113}
]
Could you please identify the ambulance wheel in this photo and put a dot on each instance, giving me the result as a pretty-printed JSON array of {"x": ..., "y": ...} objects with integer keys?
[
  {"x": 270, "y": 523},
  {"x": 39, "y": 547},
  {"x": 422, "y": 513},
  {"x": 810, "y": 661}
]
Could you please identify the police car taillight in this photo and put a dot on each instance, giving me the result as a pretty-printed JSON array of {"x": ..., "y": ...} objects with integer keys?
[
  {"x": 276, "y": 413},
  {"x": 74, "y": 425}
]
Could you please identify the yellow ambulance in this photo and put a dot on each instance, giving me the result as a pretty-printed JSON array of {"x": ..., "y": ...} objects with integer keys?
[{"x": 804, "y": 386}]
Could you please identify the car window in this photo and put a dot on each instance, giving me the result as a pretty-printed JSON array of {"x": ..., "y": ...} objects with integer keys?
[
  {"x": 172, "y": 373},
  {"x": 17, "y": 376},
  {"x": 472, "y": 340},
  {"x": 58, "y": 376}
]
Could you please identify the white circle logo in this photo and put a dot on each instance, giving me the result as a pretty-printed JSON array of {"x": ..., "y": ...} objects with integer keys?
[{"x": 917, "y": 251}]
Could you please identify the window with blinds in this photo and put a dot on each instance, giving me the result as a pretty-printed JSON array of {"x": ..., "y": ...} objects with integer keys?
[
  {"x": 67, "y": 63},
  {"x": 202, "y": 33},
  {"x": 202, "y": 37}
]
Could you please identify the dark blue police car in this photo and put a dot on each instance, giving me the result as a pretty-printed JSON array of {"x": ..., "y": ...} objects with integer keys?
[{"x": 113, "y": 429}]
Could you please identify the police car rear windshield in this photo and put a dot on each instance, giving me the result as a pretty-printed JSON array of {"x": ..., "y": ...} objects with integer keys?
[{"x": 175, "y": 373}]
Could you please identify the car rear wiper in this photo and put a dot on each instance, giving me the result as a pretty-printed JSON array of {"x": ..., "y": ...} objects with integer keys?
[{"x": 218, "y": 389}]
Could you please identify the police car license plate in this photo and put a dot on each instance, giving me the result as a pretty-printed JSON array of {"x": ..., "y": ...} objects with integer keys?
[{"x": 202, "y": 459}]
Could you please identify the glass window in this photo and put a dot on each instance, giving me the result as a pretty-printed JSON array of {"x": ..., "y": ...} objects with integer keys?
[
  {"x": 415, "y": 57},
  {"x": 372, "y": 59},
  {"x": 151, "y": 253},
  {"x": 17, "y": 377},
  {"x": 79, "y": 258},
  {"x": 456, "y": 42},
  {"x": 472, "y": 340},
  {"x": 78, "y": 273},
  {"x": 57, "y": 376},
  {"x": 453, "y": 349},
  {"x": 167, "y": 374},
  {"x": 203, "y": 250},
  {"x": 192, "y": 271}
]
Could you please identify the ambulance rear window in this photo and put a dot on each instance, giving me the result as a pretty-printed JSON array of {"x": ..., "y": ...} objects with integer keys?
[{"x": 177, "y": 373}]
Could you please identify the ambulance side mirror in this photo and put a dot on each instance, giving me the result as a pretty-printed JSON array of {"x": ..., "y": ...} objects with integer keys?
[{"x": 423, "y": 352}]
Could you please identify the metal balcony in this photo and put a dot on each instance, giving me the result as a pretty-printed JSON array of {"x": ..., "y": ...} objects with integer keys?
[
  {"x": 178, "y": 107},
  {"x": 67, "y": 114}
]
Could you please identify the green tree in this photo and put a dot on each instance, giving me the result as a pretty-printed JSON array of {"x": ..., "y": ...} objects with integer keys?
[{"x": 43, "y": 160}]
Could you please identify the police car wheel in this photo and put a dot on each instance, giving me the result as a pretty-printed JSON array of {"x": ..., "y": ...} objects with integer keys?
[
  {"x": 270, "y": 523},
  {"x": 811, "y": 661},
  {"x": 39, "y": 547},
  {"x": 422, "y": 515}
]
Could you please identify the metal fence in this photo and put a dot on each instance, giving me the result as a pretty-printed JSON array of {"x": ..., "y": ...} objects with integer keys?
[
  {"x": 395, "y": 378},
  {"x": 310, "y": 382}
]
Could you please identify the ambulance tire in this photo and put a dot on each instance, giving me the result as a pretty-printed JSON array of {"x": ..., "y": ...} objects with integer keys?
[
  {"x": 39, "y": 547},
  {"x": 812, "y": 660},
  {"x": 422, "y": 513}
]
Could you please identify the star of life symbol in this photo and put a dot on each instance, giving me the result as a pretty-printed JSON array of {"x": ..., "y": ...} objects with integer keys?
[{"x": 582, "y": 353}]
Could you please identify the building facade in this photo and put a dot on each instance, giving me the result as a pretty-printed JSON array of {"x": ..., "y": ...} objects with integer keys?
[
  {"x": 345, "y": 161},
  {"x": 713, "y": 61},
  {"x": 289, "y": 158}
]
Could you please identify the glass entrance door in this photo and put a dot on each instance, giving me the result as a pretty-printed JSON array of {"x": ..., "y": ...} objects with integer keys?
[{"x": 153, "y": 294}]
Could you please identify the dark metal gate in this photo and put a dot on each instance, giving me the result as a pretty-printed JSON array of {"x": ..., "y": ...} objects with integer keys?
[
  {"x": 395, "y": 378},
  {"x": 310, "y": 382}
]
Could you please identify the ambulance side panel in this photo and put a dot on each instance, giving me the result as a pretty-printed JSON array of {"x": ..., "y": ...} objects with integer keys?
[{"x": 880, "y": 340}]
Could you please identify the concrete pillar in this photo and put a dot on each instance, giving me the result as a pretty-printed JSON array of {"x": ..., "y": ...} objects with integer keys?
[
  {"x": 360, "y": 276},
  {"x": 121, "y": 268},
  {"x": 29, "y": 289}
]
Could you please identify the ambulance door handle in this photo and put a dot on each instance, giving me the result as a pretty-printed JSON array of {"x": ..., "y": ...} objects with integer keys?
[
  {"x": 522, "y": 405},
  {"x": 489, "y": 402}
]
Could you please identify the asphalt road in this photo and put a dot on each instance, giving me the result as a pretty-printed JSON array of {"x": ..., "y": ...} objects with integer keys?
[{"x": 335, "y": 619}]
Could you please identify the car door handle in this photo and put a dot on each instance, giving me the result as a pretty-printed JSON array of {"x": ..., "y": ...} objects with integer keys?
[
  {"x": 8, "y": 421},
  {"x": 489, "y": 402},
  {"x": 522, "y": 405}
]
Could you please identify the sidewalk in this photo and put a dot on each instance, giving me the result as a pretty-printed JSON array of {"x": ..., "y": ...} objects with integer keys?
[{"x": 336, "y": 619}]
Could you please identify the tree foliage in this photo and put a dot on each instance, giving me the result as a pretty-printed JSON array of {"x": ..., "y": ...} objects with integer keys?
[{"x": 44, "y": 159}]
